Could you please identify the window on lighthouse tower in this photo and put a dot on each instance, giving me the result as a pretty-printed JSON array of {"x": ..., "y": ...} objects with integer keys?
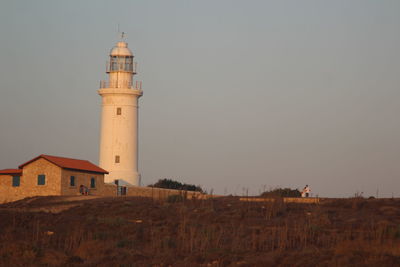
[
  {"x": 119, "y": 111},
  {"x": 117, "y": 159}
]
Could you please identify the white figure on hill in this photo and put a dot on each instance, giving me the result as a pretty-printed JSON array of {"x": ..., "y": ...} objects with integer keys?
[{"x": 306, "y": 191}]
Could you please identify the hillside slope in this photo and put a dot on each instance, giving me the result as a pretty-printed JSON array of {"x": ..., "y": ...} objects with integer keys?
[{"x": 56, "y": 231}]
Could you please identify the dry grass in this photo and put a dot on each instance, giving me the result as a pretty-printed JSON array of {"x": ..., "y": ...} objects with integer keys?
[{"x": 214, "y": 232}]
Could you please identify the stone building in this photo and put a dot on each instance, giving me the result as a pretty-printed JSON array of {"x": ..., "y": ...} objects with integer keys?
[
  {"x": 58, "y": 176},
  {"x": 51, "y": 176}
]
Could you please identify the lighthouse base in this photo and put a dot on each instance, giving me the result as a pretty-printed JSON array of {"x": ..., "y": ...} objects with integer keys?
[{"x": 123, "y": 177}]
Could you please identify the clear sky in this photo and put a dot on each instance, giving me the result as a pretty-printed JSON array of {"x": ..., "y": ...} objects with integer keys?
[{"x": 238, "y": 95}]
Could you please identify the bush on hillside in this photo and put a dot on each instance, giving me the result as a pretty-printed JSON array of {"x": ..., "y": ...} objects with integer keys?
[
  {"x": 175, "y": 198},
  {"x": 282, "y": 192},
  {"x": 172, "y": 184}
]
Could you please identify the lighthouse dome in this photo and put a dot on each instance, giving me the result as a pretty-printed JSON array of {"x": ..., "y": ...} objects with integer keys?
[{"x": 121, "y": 49}]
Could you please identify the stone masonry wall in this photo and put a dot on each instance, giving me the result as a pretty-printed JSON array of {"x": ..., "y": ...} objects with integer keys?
[
  {"x": 5, "y": 187},
  {"x": 81, "y": 178},
  {"x": 160, "y": 193},
  {"x": 156, "y": 193},
  {"x": 108, "y": 190}
]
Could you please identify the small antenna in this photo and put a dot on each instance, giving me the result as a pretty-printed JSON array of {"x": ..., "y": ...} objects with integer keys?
[
  {"x": 121, "y": 35},
  {"x": 118, "y": 32}
]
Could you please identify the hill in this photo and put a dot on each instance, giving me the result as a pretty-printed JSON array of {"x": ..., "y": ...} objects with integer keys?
[{"x": 82, "y": 231}]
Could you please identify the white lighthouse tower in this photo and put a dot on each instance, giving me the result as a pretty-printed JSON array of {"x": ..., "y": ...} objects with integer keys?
[{"x": 119, "y": 118}]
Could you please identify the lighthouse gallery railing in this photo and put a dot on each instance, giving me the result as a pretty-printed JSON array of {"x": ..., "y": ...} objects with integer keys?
[{"x": 136, "y": 85}]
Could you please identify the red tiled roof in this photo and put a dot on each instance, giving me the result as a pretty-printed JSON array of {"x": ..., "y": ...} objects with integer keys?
[
  {"x": 68, "y": 163},
  {"x": 11, "y": 171}
]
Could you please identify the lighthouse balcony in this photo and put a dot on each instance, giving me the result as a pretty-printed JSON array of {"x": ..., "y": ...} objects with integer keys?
[{"x": 135, "y": 85}]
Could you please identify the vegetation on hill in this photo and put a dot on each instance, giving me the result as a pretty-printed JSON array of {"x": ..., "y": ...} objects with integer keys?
[
  {"x": 129, "y": 231},
  {"x": 172, "y": 184},
  {"x": 282, "y": 192}
]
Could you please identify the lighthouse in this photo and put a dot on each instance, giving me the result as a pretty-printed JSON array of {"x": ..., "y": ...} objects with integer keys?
[{"x": 119, "y": 118}]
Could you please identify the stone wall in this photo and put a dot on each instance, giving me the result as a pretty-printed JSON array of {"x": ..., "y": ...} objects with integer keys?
[
  {"x": 308, "y": 200},
  {"x": 6, "y": 188},
  {"x": 160, "y": 193},
  {"x": 108, "y": 190},
  {"x": 81, "y": 178},
  {"x": 156, "y": 193},
  {"x": 29, "y": 182}
]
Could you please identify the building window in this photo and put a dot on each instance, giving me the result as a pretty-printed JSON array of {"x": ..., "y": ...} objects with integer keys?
[
  {"x": 16, "y": 181},
  {"x": 92, "y": 182},
  {"x": 72, "y": 181},
  {"x": 41, "y": 179},
  {"x": 119, "y": 111},
  {"x": 117, "y": 159}
]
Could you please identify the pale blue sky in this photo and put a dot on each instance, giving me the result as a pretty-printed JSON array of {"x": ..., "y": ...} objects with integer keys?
[{"x": 237, "y": 94}]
